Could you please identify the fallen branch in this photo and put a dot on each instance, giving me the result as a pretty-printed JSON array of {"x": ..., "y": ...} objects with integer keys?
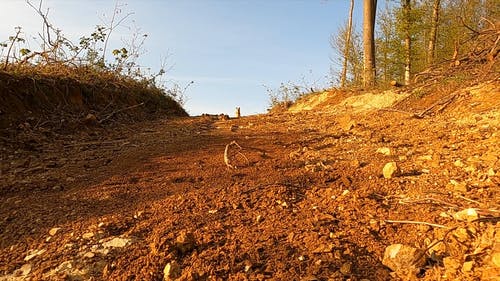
[
  {"x": 227, "y": 159},
  {"x": 418, "y": 222},
  {"x": 97, "y": 143},
  {"x": 469, "y": 200},
  {"x": 401, "y": 111},
  {"x": 428, "y": 200},
  {"x": 118, "y": 111},
  {"x": 444, "y": 101}
]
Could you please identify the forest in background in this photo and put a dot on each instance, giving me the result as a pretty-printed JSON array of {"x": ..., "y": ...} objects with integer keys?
[{"x": 413, "y": 35}]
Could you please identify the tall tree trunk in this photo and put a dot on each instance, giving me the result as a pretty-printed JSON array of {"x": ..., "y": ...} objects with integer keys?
[
  {"x": 407, "y": 26},
  {"x": 431, "y": 49},
  {"x": 369, "y": 12},
  {"x": 347, "y": 46}
]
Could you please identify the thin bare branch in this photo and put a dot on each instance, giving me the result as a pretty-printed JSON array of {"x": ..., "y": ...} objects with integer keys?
[{"x": 418, "y": 222}]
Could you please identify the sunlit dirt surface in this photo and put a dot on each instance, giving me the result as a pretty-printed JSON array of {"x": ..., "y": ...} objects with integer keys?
[{"x": 307, "y": 201}]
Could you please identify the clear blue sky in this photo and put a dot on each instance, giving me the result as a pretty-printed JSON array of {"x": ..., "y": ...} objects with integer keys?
[{"x": 230, "y": 48}]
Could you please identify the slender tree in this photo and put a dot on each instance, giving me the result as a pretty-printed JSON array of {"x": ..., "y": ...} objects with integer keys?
[
  {"x": 431, "y": 49},
  {"x": 347, "y": 46},
  {"x": 369, "y": 70},
  {"x": 407, "y": 34}
]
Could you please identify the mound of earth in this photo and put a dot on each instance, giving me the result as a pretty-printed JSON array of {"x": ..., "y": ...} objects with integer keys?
[
  {"x": 336, "y": 100},
  {"x": 50, "y": 101},
  {"x": 396, "y": 193}
]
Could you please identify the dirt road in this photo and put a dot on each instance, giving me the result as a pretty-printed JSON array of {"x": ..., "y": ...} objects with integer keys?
[{"x": 308, "y": 200}]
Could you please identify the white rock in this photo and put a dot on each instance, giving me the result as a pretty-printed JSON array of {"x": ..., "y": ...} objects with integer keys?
[
  {"x": 425, "y": 157},
  {"x": 53, "y": 231},
  {"x": 390, "y": 170},
  {"x": 89, "y": 255},
  {"x": 88, "y": 235},
  {"x": 466, "y": 215},
  {"x": 491, "y": 172},
  {"x": 457, "y": 186},
  {"x": 384, "y": 150},
  {"x": 34, "y": 253},
  {"x": 467, "y": 266},
  {"x": 171, "y": 271},
  {"x": 116, "y": 243},
  {"x": 24, "y": 270},
  {"x": 402, "y": 258}
]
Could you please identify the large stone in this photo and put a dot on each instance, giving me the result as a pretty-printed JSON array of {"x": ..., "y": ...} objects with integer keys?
[
  {"x": 402, "y": 258},
  {"x": 390, "y": 170}
]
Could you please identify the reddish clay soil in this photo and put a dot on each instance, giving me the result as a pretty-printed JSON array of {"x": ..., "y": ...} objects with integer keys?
[{"x": 307, "y": 201}]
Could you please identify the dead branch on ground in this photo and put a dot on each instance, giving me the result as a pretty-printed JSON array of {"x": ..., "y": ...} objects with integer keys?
[
  {"x": 227, "y": 159},
  {"x": 118, "y": 111},
  {"x": 417, "y": 222}
]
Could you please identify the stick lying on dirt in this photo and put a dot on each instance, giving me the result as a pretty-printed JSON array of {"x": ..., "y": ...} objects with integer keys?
[
  {"x": 118, "y": 111},
  {"x": 227, "y": 160},
  {"x": 418, "y": 222}
]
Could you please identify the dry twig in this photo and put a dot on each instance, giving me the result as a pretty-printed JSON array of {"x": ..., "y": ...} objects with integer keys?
[
  {"x": 418, "y": 222},
  {"x": 118, "y": 111},
  {"x": 227, "y": 159}
]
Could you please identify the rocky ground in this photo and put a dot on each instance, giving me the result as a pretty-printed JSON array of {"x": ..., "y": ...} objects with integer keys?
[{"x": 339, "y": 192}]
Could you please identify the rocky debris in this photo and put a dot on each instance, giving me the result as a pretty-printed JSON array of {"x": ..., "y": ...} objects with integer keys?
[
  {"x": 403, "y": 259},
  {"x": 346, "y": 123},
  {"x": 457, "y": 186},
  {"x": 390, "y": 170},
  {"x": 223, "y": 117},
  {"x": 54, "y": 231},
  {"x": 346, "y": 268},
  {"x": 468, "y": 215},
  {"x": 172, "y": 271},
  {"x": 90, "y": 120},
  {"x": 116, "y": 242},
  {"x": 88, "y": 235},
  {"x": 33, "y": 253},
  {"x": 89, "y": 255},
  {"x": 24, "y": 270},
  {"x": 69, "y": 269},
  {"x": 354, "y": 211},
  {"x": 19, "y": 274},
  {"x": 184, "y": 243},
  {"x": 384, "y": 150}
]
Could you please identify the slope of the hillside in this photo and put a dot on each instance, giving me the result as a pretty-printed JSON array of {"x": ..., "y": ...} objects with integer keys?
[
  {"x": 68, "y": 102},
  {"x": 307, "y": 201}
]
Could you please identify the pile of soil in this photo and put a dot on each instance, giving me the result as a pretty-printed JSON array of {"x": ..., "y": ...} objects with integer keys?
[{"x": 310, "y": 197}]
